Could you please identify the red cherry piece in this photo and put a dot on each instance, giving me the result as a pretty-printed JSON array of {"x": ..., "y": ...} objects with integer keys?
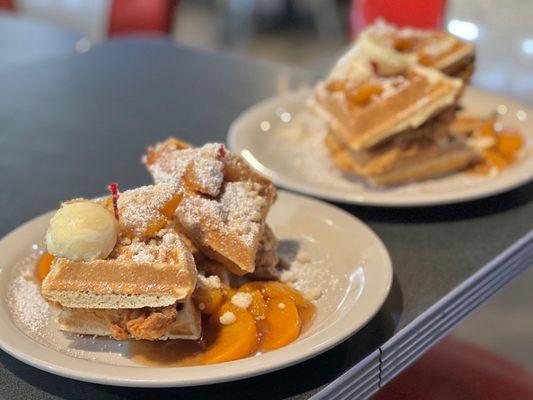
[
  {"x": 113, "y": 188},
  {"x": 375, "y": 66},
  {"x": 221, "y": 151}
]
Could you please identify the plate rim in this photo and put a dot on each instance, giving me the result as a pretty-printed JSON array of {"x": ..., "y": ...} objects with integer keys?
[
  {"x": 375, "y": 200},
  {"x": 232, "y": 371}
]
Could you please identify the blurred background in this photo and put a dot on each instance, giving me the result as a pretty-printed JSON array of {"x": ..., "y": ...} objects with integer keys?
[{"x": 307, "y": 34}]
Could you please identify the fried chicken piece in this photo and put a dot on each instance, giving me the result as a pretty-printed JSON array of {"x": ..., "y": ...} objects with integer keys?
[
  {"x": 267, "y": 259},
  {"x": 145, "y": 323}
]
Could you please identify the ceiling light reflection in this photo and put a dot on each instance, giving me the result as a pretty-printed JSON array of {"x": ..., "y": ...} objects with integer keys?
[{"x": 464, "y": 29}]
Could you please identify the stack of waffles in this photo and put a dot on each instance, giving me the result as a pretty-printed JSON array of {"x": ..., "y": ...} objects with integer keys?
[
  {"x": 390, "y": 101},
  {"x": 205, "y": 215}
]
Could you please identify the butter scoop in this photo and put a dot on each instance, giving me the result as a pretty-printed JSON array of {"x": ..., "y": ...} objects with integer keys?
[{"x": 82, "y": 231}]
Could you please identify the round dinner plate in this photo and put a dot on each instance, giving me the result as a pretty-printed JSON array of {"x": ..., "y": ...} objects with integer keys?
[
  {"x": 282, "y": 139},
  {"x": 335, "y": 253}
]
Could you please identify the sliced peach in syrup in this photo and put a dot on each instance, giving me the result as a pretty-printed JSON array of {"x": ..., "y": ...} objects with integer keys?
[
  {"x": 210, "y": 298},
  {"x": 495, "y": 159},
  {"x": 508, "y": 145},
  {"x": 270, "y": 289},
  {"x": 259, "y": 307},
  {"x": 277, "y": 289},
  {"x": 364, "y": 93},
  {"x": 282, "y": 324},
  {"x": 234, "y": 341},
  {"x": 43, "y": 265}
]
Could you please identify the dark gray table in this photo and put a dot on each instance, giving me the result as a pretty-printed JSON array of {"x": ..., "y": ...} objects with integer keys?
[
  {"x": 70, "y": 126},
  {"x": 24, "y": 40}
]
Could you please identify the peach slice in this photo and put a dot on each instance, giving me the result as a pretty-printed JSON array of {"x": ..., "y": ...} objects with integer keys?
[
  {"x": 362, "y": 95},
  {"x": 277, "y": 289},
  {"x": 508, "y": 145},
  {"x": 282, "y": 324},
  {"x": 259, "y": 307},
  {"x": 271, "y": 289},
  {"x": 167, "y": 211},
  {"x": 234, "y": 341},
  {"x": 211, "y": 298},
  {"x": 43, "y": 265},
  {"x": 170, "y": 207}
]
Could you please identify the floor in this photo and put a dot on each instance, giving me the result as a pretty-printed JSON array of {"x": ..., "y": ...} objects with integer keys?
[{"x": 505, "y": 324}]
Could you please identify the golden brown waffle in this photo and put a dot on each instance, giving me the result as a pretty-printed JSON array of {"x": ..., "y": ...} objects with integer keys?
[
  {"x": 135, "y": 275},
  {"x": 224, "y": 201},
  {"x": 391, "y": 48},
  {"x": 376, "y": 109},
  {"x": 412, "y": 156}
]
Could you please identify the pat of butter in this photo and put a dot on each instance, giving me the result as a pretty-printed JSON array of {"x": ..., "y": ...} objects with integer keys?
[{"x": 82, "y": 231}]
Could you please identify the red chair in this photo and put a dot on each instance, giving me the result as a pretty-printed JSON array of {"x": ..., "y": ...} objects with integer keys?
[
  {"x": 454, "y": 370},
  {"x": 141, "y": 16},
  {"x": 7, "y": 5},
  {"x": 416, "y": 13}
]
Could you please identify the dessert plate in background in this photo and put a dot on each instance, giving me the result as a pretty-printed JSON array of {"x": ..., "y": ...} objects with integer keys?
[
  {"x": 334, "y": 252},
  {"x": 282, "y": 139}
]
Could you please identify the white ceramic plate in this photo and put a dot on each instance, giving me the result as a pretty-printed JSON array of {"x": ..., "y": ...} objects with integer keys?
[
  {"x": 349, "y": 261},
  {"x": 283, "y": 140}
]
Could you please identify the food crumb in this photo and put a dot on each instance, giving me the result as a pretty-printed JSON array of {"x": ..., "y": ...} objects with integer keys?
[
  {"x": 313, "y": 294},
  {"x": 242, "y": 300},
  {"x": 212, "y": 281},
  {"x": 227, "y": 318},
  {"x": 281, "y": 306},
  {"x": 303, "y": 258}
]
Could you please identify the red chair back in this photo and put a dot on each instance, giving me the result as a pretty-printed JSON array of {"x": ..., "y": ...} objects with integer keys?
[
  {"x": 7, "y": 5},
  {"x": 455, "y": 369},
  {"x": 141, "y": 16},
  {"x": 425, "y": 14}
]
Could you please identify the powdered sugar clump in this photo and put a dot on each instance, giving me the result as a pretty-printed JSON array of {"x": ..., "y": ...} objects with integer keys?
[{"x": 212, "y": 281}]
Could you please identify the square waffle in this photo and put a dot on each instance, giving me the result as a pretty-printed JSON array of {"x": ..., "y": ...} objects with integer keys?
[
  {"x": 224, "y": 202},
  {"x": 364, "y": 109},
  {"x": 136, "y": 275},
  {"x": 392, "y": 49}
]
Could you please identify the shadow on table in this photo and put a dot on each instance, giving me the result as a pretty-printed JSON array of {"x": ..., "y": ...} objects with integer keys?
[
  {"x": 307, "y": 377},
  {"x": 452, "y": 212}
]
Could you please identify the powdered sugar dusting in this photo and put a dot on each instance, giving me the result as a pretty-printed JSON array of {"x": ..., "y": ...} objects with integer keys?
[
  {"x": 25, "y": 300},
  {"x": 238, "y": 211},
  {"x": 310, "y": 275},
  {"x": 208, "y": 174},
  {"x": 139, "y": 208},
  {"x": 304, "y": 150},
  {"x": 167, "y": 247},
  {"x": 171, "y": 166}
]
